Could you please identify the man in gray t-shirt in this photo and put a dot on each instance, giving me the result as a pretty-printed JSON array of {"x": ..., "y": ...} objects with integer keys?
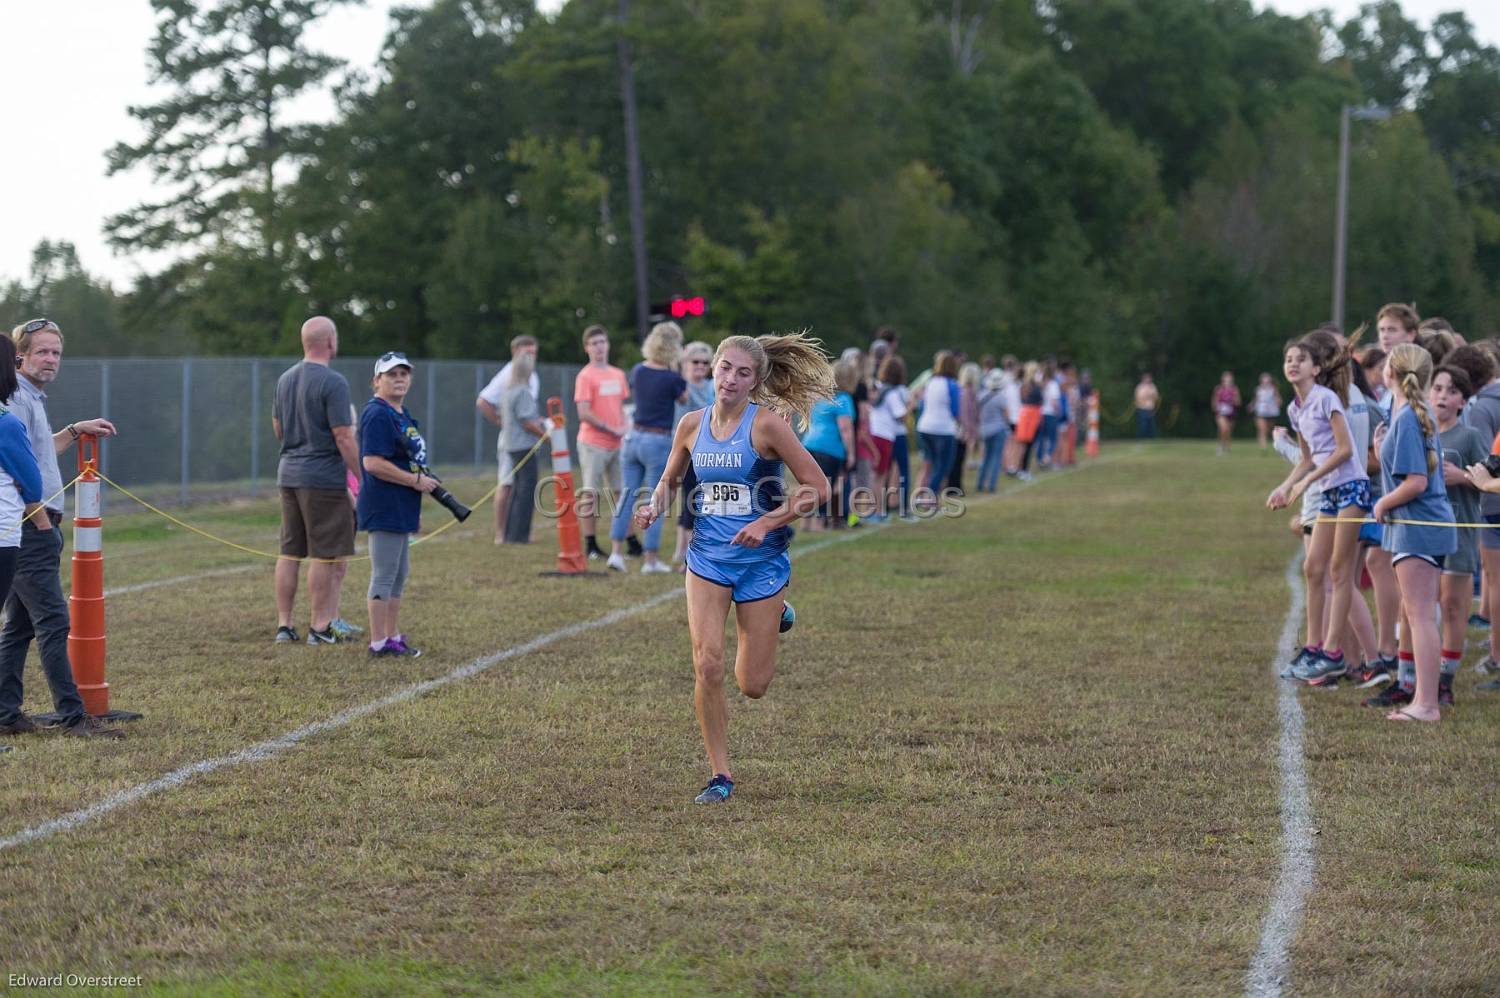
[
  {"x": 312, "y": 400},
  {"x": 314, "y": 421}
]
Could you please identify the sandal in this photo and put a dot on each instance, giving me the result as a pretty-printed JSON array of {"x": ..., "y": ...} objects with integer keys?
[{"x": 1405, "y": 714}]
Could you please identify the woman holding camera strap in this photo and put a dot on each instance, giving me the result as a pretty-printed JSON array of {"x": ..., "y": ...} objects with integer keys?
[{"x": 393, "y": 455}]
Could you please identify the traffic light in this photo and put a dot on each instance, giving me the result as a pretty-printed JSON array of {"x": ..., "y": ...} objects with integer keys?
[{"x": 680, "y": 308}]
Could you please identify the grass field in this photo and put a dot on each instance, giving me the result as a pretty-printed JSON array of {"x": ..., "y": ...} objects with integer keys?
[{"x": 1029, "y": 750}]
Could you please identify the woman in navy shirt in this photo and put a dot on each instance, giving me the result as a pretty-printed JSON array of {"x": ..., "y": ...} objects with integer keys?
[
  {"x": 657, "y": 388},
  {"x": 392, "y": 454}
]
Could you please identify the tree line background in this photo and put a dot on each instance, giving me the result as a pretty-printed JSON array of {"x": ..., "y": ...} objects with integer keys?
[{"x": 1140, "y": 184}]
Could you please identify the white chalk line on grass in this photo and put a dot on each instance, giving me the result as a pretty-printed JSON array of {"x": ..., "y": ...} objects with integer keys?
[
  {"x": 274, "y": 746},
  {"x": 1272, "y": 963},
  {"x": 267, "y": 749},
  {"x": 179, "y": 579}
]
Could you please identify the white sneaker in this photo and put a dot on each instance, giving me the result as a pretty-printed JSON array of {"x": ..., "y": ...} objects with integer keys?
[
  {"x": 616, "y": 563},
  {"x": 656, "y": 568}
]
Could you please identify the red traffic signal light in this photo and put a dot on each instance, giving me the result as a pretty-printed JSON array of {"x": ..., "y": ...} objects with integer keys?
[{"x": 682, "y": 308}]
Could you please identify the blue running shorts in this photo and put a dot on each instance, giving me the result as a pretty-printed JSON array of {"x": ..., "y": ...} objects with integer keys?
[{"x": 748, "y": 581}]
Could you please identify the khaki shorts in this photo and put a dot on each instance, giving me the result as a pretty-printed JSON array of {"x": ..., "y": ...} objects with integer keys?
[
  {"x": 316, "y": 522},
  {"x": 601, "y": 468}
]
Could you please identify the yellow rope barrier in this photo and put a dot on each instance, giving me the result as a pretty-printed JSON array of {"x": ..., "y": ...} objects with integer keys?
[
  {"x": 1408, "y": 523},
  {"x": 47, "y": 500},
  {"x": 286, "y": 557}
]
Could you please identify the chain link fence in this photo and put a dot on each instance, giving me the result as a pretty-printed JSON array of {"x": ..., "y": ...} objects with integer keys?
[{"x": 199, "y": 428}]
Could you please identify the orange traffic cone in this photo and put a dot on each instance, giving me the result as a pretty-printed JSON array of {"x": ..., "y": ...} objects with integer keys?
[
  {"x": 570, "y": 557},
  {"x": 1091, "y": 448},
  {"x": 86, "y": 603}
]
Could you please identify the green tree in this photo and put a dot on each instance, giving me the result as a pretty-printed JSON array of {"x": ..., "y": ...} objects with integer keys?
[
  {"x": 1460, "y": 109},
  {"x": 377, "y": 203},
  {"x": 1386, "y": 51},
  {"x": 218, "y": 138},
  {"x": 219, "y": 144},
  {"x": 543, "y": 260},
  {"x": 85, "y": 307},
  {"x": 752, "y": 289}
]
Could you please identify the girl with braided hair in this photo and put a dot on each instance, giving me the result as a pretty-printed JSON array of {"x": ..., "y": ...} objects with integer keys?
[
  {"x": 1317, "y": 366},
  {"x": 1411, "y": 471},
  {"x": 738, "y": 555}
]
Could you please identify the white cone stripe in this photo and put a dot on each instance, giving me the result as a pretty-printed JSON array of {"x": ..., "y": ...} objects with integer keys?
[
  {"x": 87, "y": 539},
  {"x": 88, "y": 500}
]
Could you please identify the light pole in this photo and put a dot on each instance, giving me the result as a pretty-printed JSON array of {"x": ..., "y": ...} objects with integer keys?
[
  {"x": 1367, "y": 112},
  {"x": 633, "y": 174}
]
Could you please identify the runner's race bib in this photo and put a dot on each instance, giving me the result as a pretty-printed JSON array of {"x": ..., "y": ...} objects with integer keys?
[{"x": 725, "y": 499}]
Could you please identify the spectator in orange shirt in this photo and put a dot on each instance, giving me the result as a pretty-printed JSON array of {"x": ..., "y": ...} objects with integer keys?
[{"x": 600, "y": 392}]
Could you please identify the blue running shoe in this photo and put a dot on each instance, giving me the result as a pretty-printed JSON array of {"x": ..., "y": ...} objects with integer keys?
[
  {"x": 1303, "y": 658},
  {"x": 1321, "y": 669},
  {"x": 717, "y": 792},
  {"x": 344, "y": 629},
  {"x": 788, "y": 617}
]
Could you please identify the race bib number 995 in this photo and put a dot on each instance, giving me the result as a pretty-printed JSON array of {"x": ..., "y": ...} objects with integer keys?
[{"x": 725, "y": 499}]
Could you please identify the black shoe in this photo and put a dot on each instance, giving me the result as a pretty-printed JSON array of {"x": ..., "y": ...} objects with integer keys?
[
  {"x": 1445, "y": 692},
  {"x": 1370, "y": 675},
  {"x": 323, "y": 637},
  {"x": 1394, "y": 695},
  {"x": 287, "y": 636},
  {"x": 22, "y": 725},
  {"x": 88, "y": 726},
  {"x": 633, "y": 547},
  {"x": 788, "y": 617}
]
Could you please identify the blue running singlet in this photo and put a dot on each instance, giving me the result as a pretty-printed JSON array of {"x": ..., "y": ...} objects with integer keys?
[{"x": 736, "y": 486}]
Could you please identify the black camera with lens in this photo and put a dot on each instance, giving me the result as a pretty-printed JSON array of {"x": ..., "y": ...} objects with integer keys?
[{"x": 459, "y": 510}]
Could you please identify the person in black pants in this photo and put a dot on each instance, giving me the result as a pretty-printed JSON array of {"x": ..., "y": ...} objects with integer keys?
[
  {"x": 35, "y": 607},
  {"x": 20, "y": 479},
  {"x": 520, "y": 428}
]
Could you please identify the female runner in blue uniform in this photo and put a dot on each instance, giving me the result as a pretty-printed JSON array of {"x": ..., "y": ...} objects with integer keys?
[{"x": 739, "y": 549}]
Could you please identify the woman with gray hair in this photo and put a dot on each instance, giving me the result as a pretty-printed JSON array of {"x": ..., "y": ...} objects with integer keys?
[
  {"x": 658, "y": 389},
  {"x": 697, "y": 359}
]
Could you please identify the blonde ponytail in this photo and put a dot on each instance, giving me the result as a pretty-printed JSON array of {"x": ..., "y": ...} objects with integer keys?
[
  {"x": 1413, "y": 366},
  {"x": 791, "y": 372}
]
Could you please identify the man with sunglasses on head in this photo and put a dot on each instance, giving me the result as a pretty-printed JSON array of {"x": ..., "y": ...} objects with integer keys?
[
  {"x": 314, "y": 421},
  {"x": 488, "y": 405},
  {"x": 36, "y": 607}
]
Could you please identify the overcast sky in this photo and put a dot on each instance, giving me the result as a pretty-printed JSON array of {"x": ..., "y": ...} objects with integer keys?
[{"x": 74, "y": 66}]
